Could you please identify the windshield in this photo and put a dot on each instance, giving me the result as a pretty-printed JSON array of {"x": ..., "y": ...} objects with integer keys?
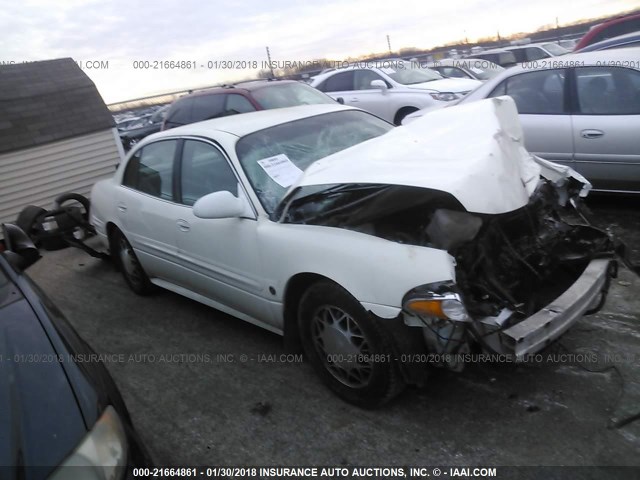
[
  {"x": 479, "y": 68},
  {"x": 289, "y": 95},
  {"x": 409, "y": 73},
  {"x": 274, "y": 158},
  {"x": 555, "y": 49}
]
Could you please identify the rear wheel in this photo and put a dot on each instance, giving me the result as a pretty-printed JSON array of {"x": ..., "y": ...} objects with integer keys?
[
  {"x": 129, "y": 265},
  {"x": 347, "y": 347}
]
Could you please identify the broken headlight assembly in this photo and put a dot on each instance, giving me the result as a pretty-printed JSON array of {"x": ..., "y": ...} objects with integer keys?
[
  {"x": 439, "y": 309},
  {"x": 427, "y": 303}
]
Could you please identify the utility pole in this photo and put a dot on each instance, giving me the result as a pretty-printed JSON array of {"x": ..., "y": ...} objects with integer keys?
[
  {"x": 270, "y": 66},
  {"x": 389, "y": 44}
]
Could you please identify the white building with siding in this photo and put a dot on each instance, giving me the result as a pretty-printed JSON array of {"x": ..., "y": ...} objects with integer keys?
[{"x": 56, "y": 135}]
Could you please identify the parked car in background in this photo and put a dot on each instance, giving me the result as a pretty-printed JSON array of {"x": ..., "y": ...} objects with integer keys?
[
  {"x": 499, "y": 56},
  {"x": 62, "y": 414},
  {"x": 623, "y": 41},
  {"x": 585, "y": 116},
  {"x": 476, "y": 69},
  {"x": 392, "y": 89},
  {"x": 132, "y": 135},
  {"x": 131, "y": 122},
  {"x": 241, "y": 98},
  {"x": 369, "y": 245},
  {"x": 536, "y": 51},
  {"x": 609, "y": 29},
  {"x": 568, "y": 44}
]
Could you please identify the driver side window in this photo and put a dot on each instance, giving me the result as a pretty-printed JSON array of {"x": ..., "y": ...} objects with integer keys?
[{"x": 204, "y": 169}]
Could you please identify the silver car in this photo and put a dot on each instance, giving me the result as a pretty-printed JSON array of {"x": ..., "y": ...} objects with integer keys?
[{"x": 582, "y": 110}]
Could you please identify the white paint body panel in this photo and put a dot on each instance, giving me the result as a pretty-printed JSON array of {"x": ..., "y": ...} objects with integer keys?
[{"x": 482, "y": 163}]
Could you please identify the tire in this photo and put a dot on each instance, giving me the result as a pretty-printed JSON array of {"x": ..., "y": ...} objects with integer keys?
[
  {"x": 335, "y": 329},
  {"x": 403, "y": 112},
  {"x": 127, "y": 261},
  {"x": 27, "y": 219},
  {"x": 81, "y": 199}
]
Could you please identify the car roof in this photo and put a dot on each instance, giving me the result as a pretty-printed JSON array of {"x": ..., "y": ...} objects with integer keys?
[
  {"x": 246, "y": 86},
  {"x": 593, "y": 31},
  {"x": 627, "y": 57},
  {"x": 457, "y": 62},
  {"x": 537, "y": 44},
  {"x": 491, "y": 50},
  {"x": 613, "y": 41},
  {"x": 246, "y": 123}
]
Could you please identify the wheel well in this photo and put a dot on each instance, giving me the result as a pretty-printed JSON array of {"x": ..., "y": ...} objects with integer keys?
[
  {"x": 111, "y": 229},
  {"x": 403, "y": 112},
  {"x": 296, "y": 286}
]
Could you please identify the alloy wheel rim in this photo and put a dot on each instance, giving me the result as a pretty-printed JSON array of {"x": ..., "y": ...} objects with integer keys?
[
  {"x": 342, "y": 346},
  {"x": 130, "y": 263}
]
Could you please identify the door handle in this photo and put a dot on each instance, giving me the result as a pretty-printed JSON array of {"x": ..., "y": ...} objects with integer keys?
[
  {"x": 591, "y": 133},
  {"x": 354, "y": 100},
  {"x": 183, "y": 225},
  {"x": 122, "y": 207}
]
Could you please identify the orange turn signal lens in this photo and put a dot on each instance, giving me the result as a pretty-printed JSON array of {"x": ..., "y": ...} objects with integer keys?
[{"x": 430, "y": 308}]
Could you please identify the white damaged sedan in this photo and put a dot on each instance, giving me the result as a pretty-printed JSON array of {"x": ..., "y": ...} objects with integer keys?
[{"x": 380, "y": 251}]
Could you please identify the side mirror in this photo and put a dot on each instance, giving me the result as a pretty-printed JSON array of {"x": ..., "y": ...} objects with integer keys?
[
  {"x": 379, "y": 84},
  {"x": 20, "y": 250},
  {"x": 222, "y": 204}
]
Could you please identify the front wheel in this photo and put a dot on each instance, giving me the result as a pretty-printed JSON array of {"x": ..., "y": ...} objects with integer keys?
[
  {"x": 129, "y": 265},
  {"x": 347, "y": 347}
]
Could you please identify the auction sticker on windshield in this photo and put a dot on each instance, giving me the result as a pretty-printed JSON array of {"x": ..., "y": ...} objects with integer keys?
[{"x": 281, "y": 170}]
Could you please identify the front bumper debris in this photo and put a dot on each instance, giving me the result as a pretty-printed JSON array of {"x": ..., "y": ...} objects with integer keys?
[{"x": 587, "y": 294}]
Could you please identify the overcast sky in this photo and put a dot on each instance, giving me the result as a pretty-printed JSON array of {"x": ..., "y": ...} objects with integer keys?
[{"x": 121, "y": 32}]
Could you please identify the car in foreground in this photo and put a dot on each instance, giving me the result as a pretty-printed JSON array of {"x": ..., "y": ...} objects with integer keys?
[
  {"x": 370, "y": 246},
  {"x": 241, "y": 98},
  {"x": 475, "y": 69},
  {"x": 611, "y": 28},
  {"x": 623, "y": 41},
  {"x": 62, "y": 414},
  {"x": 391, "y": 89},
  {"x": 582, "y": 111}
]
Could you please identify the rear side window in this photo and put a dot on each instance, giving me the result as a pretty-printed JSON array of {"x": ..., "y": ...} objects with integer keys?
[
  {"x": 339, "y": 82},
  {"x": 237, "y": 104},
  {"x": 608, "y": 91},
  {"x": 180, "y": 113},
  {"x": 206, "y": 107},
  {"x": 204, "y": 170},
  {"x": 538, "y": 92},
  {"x": 150, "y": 170}
]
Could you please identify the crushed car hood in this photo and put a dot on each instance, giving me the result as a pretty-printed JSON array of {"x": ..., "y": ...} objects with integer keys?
[{"x": 474, "y": 152}]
